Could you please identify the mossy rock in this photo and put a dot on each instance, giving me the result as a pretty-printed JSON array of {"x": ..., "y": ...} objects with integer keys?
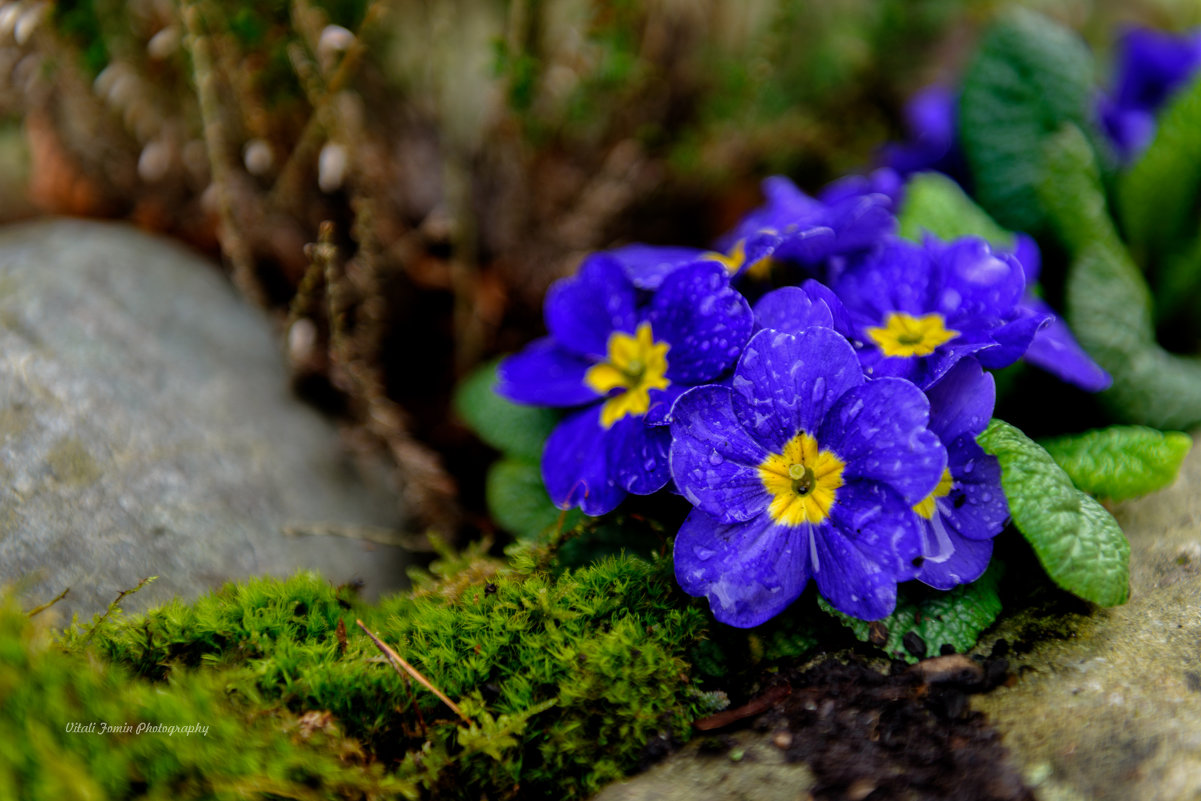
[{"x": 561, "y": 682}]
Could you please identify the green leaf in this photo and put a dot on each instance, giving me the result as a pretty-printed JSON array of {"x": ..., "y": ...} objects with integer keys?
[
  {"x": 953, "y": 618},
  {"x": 510, "y": 428},
  {"x": 1121, "y": 461},
  {"x": 1107, "y": 302},
  {"x": 1079, "y": 544},
  {"x": 1157, "y": 196},
  {"x": 1027, "y": 79},
  {"x": 518, "y": 502},
  {"x": 935, "y": 203}
]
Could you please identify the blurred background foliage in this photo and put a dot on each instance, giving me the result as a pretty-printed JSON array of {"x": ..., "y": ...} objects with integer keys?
[{"x": 398, "y": 181}]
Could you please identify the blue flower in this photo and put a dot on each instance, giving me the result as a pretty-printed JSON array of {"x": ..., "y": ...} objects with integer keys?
[
  {"x": 1151, "y": 66},
  {"x": 808, "y": 231},
  {"x": 918, "y": 309},
  {"x": 933, "y": 144},
  {"x": 1053, "y": 348},
  {"x": 623, "y": 360},
  {"x": 801, "y": 468},
  {"x": 647, "y": 265},
  {"x": 967, "y": 509}
]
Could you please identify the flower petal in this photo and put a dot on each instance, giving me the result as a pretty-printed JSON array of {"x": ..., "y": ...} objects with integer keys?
[
  {"x": 749, "y": 571},
  {"x": 647, "y": 265},
  {"x": 976, "y": 508},
  {"x": 713, "y": 459},
  {"x": 703, "y": 318},
  {"x": 1014, "y": 338},
  {"x": 581, "y": 311},
  {"x": 962, "y": 401},
  {"x": 575, "y": 466},
  {"x": 637, "y": 455},
  {"x": 966, "y": 563},
  {"x": 545, "y": 375},
  {"x": 1055, "y": 350},
  {"x": 786, "y": 383},
  {"x": 789, "y": 309},
  {"x": 880, "y": 431},
  {"x": 868, "y": 545}
]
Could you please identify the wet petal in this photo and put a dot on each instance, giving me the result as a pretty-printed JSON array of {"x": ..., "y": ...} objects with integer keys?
[
  {"x": 966, "y": 564},
  {"x": 713, "y": 459},
  {"x": 962, "y": 401},
  {"x": 750, "y": 571},
  {"x": 785, "y": 383},
  {"x": 583, "y": 310},
  {"x": 647, "y": 265},
  {"x": 790, "y": 309},
  {"x": 880, "y": 431},
  {"x": 868, "y": 547},
  {"x": 546, "y": 375},
  {"x": 704, "y": 319},
  {"x": 976, "y": 507},
  {"x": 575, "y": 467},
  {"x": 637, "y": 455}
]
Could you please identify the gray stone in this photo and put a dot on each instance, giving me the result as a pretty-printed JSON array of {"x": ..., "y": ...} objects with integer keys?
[
  {"x": 1112, "y": 710},
  {"x": 147, "y": 428},
  {"x": 752, "y": 769}
]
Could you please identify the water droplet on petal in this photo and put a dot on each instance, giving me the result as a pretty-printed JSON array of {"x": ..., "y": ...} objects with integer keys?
[{"x": 715, "y": 458}]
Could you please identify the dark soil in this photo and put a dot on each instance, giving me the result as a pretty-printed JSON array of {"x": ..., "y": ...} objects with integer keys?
[{"x": 909, "y": 734}]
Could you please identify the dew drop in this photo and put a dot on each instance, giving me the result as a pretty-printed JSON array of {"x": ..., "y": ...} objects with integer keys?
[{"x": 715, "y": 458}]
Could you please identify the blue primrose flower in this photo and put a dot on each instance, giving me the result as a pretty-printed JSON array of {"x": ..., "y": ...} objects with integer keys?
[
  {"x": 622, "y": 358},
  {"x": 1151, "y": 66},
  {"x": 918, "y": 309},
  {"x": 967, "y": 510},
  {"x": 802, "y": 468},
  {"x": 808, "y": 231},
  {"x": 933, "y": 144}
]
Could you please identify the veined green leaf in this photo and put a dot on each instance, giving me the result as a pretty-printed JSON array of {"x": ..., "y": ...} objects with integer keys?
[
  {"x": 953, "y": 618},
  {"x": 1157, "y": 196},
  {"x": 518, "y": 501},
  {"x": 1079, "y": 544},
  {"x": 1121, "y": 461},
  {"x": 513, "y": 429},
  {"x": 1108, "y": 304},
  {"x": 1028, "y": 78},
  {"x": 935, "y": 203}
]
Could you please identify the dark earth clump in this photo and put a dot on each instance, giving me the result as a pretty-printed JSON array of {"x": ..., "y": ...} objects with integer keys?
[{"x": 909, "y": 734}]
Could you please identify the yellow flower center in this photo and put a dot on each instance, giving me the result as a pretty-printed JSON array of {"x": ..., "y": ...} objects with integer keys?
[
  {"x": 736, "y": 258},
  {"x": 803, "y": 481},
  {"x": 636, "y": 364},
  {"x": 906, "y": 335},
  {"x": 925, "y": 507}
]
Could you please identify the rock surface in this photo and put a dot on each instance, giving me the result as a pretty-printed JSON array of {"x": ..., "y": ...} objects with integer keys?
[
  {"x": 1114, "y": 710},
  {"x": 147, "y": 428}
]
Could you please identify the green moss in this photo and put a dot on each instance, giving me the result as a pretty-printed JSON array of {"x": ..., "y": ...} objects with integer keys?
[
  {"x": 55, "y": 706},
  {"x": 564, "y": 679}
]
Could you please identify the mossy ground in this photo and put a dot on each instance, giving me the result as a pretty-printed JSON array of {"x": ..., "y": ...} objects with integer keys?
[{"x": 563, "y": 681}]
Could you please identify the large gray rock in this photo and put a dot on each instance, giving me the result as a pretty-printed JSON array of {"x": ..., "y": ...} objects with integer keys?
[
  {"x": 146, "y": 428},
  {"x": 1111, "y": 708}
]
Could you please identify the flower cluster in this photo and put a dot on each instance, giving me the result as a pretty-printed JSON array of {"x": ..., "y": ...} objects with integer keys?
[{"x": 813, "y": 386}]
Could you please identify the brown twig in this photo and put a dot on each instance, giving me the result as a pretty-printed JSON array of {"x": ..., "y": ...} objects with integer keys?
[
  {"x": 120, "y": 596},
  {"x": 205, "y": 78},
  {"x": 39, "y": 609},
  {"x": 764, "y": 702},
  {"x": 400, "y": 664}
]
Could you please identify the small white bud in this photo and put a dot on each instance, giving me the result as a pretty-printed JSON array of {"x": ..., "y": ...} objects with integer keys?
[
  {"x": 334, "y": 40},
  {"x": 28, "y": 22},
  {"x": 331, "y": 167},
  {"x": 302, "y": 340},
  {"x": 258, "y": 157},
  {"x": 163, "y": 44},
  {"x": 9, "y": 14},
  {"x": 154, "y": 161}
]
